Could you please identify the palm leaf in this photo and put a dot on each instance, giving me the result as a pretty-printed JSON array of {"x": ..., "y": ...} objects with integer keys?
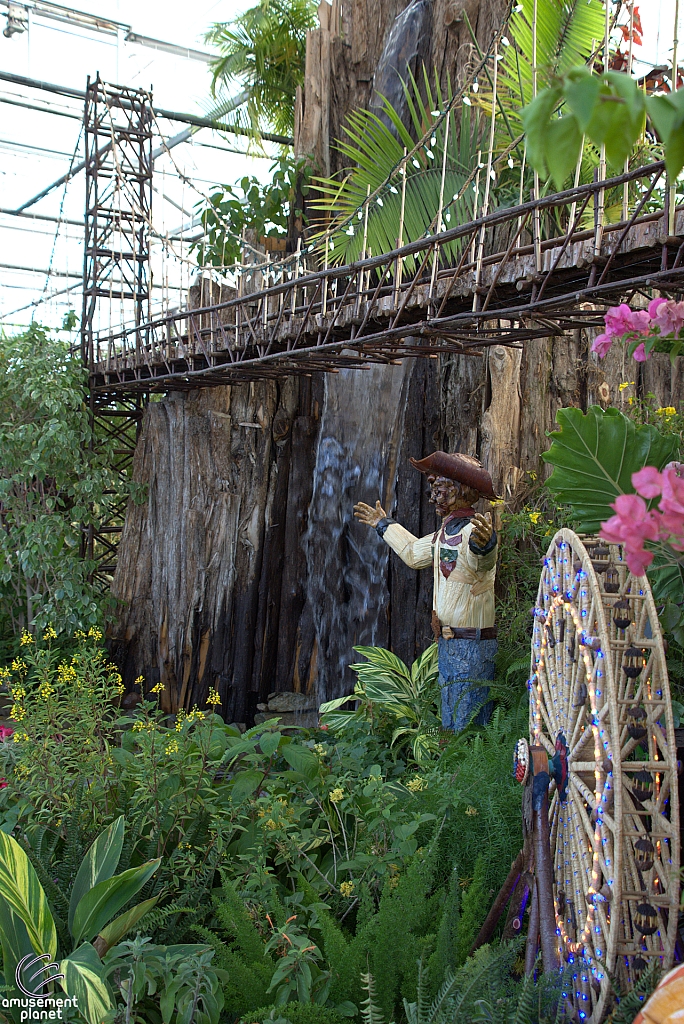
[{"x": 375, "y": 145}]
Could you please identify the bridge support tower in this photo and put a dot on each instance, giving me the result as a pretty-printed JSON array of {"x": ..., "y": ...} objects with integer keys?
[{"x": 116, "y": 276}]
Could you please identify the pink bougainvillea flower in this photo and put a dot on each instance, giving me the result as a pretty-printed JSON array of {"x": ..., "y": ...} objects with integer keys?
[
  {"x": 640, "y": 354},
  {"x": 638, "y": 560},
  {"x": 672, "y": 500},
  {"x": 602, "y": 345},
  {"x": 636, "y": 517},
  {"x": 648, "y": 482},
  {"x": 632, "y": 526},
  {"x": 654, "y": 305},
  {"x": 3, "y": 784},
  {"x": 668, "y": 317},
  {"x": 620, "y": 320},
  {"x": 5, "y": 732}
]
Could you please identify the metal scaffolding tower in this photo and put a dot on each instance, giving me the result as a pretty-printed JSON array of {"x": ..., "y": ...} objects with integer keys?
[{"x": 116, "y": 270}]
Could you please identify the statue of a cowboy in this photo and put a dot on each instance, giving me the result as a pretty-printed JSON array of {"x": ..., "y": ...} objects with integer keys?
[{"x": 462, "y": 554}]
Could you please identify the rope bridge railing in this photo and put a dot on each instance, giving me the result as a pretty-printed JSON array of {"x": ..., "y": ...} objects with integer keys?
[{"x": 447, "y": 291}]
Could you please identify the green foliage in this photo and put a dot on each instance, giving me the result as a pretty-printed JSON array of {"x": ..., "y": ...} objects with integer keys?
[
  {"x": 294, "y": 1013},
  {"x": 594, "y": 455},
  {"x": 175, "y": 984},
  {"x": 374, "y": 146},
  {"x": 629, "y": 1004},
  {"x": 473, "y": 911},
  {"x": 50, "y": 480},
  {"x": 667, "y": 115},
  {"x": 387, "y": 689},
  {"x": 566, "y": 36},
  {"x": 26, "y": 912},
  {"x": 611, "y": 110},
  {"x": 262, "y": 209},
  {"x": 264, "y": 49},
  {"x": 63, "y": 708}
]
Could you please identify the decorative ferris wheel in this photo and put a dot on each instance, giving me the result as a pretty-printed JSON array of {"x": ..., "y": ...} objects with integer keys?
[{"x": 600, "y": 709}]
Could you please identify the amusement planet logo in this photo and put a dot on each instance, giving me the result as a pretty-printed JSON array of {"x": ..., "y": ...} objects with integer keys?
[{"x": 33, "y": 1005}]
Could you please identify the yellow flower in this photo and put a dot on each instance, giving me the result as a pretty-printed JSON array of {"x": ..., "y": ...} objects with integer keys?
[
  {"x": 139, "y": 680},
  {"x": 270, "y": 823},
  {"x": 626, "y": 384},
  {"x": 159, "y": 688},
  {"x": 471, "y": 811},
  {"x": 320, "y": 749},
  {"x": 18, "y": 712},
  {"x": 142, "y": 726},
  {"x": 26, "y": 638},
  {"x": 347, "y": 888},
  {"x": 95, "y": 633},
  {"x": 172, "y": 747},
  {"x": 630, "y": 400},
  {"x": 49, "y": 634},
  {"x": 46, "y": 690},
  {"x": 20, "y": 737},
  {"x": 18, "y": 665},
  {"x": 213, "y": 697},
  {"x": 196, "y": 715},
  {"x": 79, "y": 635},
  {"x": 667, "y": 411},
  {"x": 180, "y": 718},
  {"x": 416, "y": 785},
  {"x": 534, "y": 517},
  {"x": 337, "y": 795},
  {"x": 66, "y": 673}
]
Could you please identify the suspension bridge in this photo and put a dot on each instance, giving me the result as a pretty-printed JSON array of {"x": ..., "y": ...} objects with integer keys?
[{"x": 374, "y": 311}]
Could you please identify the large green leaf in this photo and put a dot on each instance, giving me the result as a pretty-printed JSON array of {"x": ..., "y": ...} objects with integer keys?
[
  {"x": 594, "y": 455},
  {"x": 301, "y": 759},
  {"x": 84, "y": 979},
  {"x": 99, "y": 863},
  {"x": 106, "y": 898},
  {"x": 23, "y": 895},
  {"x": 115, "y": 931},
  {"x": 15, "y": 944}
]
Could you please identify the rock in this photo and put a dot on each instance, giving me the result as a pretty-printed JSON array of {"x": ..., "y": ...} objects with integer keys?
[{"x": 291, "y": 702}]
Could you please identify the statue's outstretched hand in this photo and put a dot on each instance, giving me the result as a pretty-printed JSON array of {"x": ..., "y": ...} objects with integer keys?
[
  {"x": 482, "y": 529},
  {"x": 367, "y": 514}
]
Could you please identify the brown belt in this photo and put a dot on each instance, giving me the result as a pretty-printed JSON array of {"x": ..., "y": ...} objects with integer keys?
[{"x": 469, "y": 633}]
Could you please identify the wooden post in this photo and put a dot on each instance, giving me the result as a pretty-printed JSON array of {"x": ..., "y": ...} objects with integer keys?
[
  {"x": 440, "y": 210},
  {"x": 537, "y": 247},
  {"x": 673, "y": 187},
  {"x": 542, "y": 858},
  {"x": 400, "y": 239},
  {"x": 497, "y": 908}
]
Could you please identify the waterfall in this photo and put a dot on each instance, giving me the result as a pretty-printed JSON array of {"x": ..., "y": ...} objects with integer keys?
[
  {"x": 359, "y": 448},
  {"x": 405, "y": 48}
]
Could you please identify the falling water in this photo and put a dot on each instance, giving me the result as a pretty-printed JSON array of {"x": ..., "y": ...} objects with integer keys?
[
  {"x": 359, "y": 447},
  {"x": 404, "y": 49}
]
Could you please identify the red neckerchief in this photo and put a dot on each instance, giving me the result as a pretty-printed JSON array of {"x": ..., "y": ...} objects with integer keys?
[{"x": 447, "y": 568}]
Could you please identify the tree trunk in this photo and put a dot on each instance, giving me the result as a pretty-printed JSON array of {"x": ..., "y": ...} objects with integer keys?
[{"x": 244, "y": 569}]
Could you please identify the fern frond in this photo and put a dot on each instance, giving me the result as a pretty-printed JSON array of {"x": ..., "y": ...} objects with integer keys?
[{"x": 370, "y": 1011}]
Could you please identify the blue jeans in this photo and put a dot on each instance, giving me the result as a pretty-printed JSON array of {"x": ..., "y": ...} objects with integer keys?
[{"x": 462, "y": 663}]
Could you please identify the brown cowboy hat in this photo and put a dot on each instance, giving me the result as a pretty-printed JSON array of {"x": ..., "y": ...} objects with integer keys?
[{"x": 463, "y": 468}]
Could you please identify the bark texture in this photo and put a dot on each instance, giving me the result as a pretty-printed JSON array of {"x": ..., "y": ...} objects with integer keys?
[{"x": 244, "y": 568}]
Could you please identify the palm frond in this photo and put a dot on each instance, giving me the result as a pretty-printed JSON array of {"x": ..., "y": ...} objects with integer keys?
[
  {"x": 374, "y": 144},
  {"x": 567, "y": 31}
]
